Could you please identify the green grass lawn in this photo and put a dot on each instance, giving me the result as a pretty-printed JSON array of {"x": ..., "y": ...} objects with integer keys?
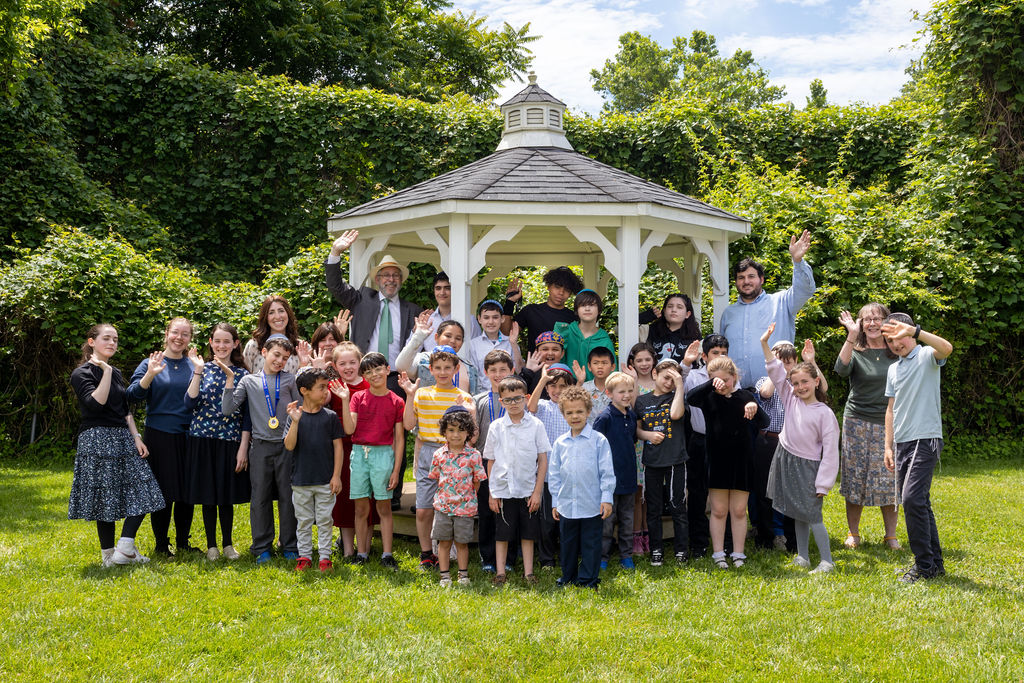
[{"x": 65, "y": 617}]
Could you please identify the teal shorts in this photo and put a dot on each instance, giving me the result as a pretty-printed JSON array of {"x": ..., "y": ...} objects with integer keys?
[{"x": 371, "y": 467}]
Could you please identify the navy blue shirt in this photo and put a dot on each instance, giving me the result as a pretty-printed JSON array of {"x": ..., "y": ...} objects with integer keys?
[
  {"x": 620, "y": 430},
  {"x": 165, "y": 398}
]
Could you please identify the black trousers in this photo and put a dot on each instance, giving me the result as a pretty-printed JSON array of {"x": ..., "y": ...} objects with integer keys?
[{"x": 697, "y": 494}]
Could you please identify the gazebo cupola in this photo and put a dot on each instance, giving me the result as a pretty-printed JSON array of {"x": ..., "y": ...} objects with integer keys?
[{"x": 533, "y": 118}]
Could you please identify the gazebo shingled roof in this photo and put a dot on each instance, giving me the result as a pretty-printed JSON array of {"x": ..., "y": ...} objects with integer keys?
[{"x": 536, "y": 201}]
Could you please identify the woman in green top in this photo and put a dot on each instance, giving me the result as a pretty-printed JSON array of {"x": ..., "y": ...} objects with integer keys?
[
  {"x": 865, "y": 360},
  {"x": 584, "y": 336}
]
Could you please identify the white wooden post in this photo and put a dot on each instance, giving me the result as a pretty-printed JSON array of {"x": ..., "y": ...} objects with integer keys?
[
  {"x": 632, "y": 264},
  {"x": 458, "y": 267}
]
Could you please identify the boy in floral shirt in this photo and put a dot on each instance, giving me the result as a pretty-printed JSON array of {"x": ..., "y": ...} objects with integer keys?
[{"x": 459, "y": 470}]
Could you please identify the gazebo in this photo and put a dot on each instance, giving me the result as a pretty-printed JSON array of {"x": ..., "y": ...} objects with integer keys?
[{"x": 537, "y": 202}]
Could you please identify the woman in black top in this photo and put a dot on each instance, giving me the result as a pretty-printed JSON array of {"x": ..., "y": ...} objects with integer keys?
[
  {"x": 111, "y": 480},
  {"x": 676, "y": 329}
]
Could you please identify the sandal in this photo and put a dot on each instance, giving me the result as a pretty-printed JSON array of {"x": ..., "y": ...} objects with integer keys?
[
  {"x": 531, "y": 580},
  {"x": 893, "y": 543},
  {"x": 852, "y": 541},
  {"x": 720, "y": 562},
  {"x": 499, "y": 580}
]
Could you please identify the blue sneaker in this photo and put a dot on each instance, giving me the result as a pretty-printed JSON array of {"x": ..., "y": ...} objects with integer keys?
[
  {"x": 291, "y": 555},
  {"x": 627, "y": 563},
  {"x": 489, "y": 568},
  {"x": 604, "y": 564},
  {"x": 263, "y": 557}
]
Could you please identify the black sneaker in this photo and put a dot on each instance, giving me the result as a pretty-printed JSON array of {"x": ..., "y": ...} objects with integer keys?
[
  {"x": 389, "y": 562},
  {"x": 163, "y": 553},
  {"x": 357, "y": 560},
  {"x": 682, "y": 557},
  {"x": 912, "y": 575},
  {"x": 657, "y": 557},
  {"x": 428, "y": 561},
  {"x": 186, "y": 548}
]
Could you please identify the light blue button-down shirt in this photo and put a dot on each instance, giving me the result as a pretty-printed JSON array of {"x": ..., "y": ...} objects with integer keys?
[
  {"x": 744, "y": 323},
  {"x": 581, "y": 474}
]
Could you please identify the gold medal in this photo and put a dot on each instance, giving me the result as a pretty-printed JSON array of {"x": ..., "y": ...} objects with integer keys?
[{"x": 272, "y": 423}]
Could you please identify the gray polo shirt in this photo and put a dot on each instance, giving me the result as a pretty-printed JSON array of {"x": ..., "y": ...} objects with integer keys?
[{"x": 913, "y": 381}]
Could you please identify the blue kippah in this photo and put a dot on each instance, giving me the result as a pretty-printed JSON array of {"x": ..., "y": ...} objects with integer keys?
[{"x": 445, "y": 348}]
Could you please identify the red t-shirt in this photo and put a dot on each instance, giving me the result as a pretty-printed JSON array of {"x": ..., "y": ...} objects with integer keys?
[
  {"x": 336, "y": 405},
  {"x": 377, "y": 417}
]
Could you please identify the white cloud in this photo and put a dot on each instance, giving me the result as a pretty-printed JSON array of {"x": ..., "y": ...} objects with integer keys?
[
  {"x": 804, "y": 3},
  {"x": 576, "y": 36}
]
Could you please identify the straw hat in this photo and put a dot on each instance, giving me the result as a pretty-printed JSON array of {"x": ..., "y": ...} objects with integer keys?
[{"x": 389, "y": 262}]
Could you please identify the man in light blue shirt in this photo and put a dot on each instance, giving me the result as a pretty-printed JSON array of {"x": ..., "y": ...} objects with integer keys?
[
  {"x": 582, "y": 482},
  {"x": 745, "y": 321}
]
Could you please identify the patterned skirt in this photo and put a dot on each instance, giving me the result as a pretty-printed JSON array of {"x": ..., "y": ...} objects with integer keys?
[
  {"x": 791, "y": 486},
  {"x": 865, "y": 479},
  {"x": 111, "y": 481}
]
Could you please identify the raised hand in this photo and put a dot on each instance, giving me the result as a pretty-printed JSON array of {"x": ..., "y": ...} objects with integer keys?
[
  {"x": 514, "y": 291},
  {"x": 851, "y": 325},
  {"x": 693, "y": 352},
  {"x": 344, "y": 241},
  {"x": 513, "y": 334},
  {"x": 342, "y": 321},
  {"x": 798, "y": 247},
  {"x": 807, "y": 355},
  {"x": 294, "y": 411},
  {"x": 423, "y": 321},
  {"x": 895, "y": 330},
  {"x": 320, "y": 360},
  {"x": 579, "y": 371},
  {"x": 544, "y": 376},
  {"x": 305, "y": 352},
  {"x": 750, "y": 410},
  {"x": 103, "y": 365},
  {"x": 768, "y": 333},
  {"x": 656, "y": 310},
  {"x": 197, "y": 361},
  {"x": 534, "y": 361},
  {"x": 408, "y": 385},
  {"x": 156, "y": 364},
  {"x": 225, "y": 368},
  {"x": 339, "y": 389},
  {"x": 630, "y": 370}
]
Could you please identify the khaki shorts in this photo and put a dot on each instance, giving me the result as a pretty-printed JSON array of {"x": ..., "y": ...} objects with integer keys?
[{"x": 447, "y": 528}]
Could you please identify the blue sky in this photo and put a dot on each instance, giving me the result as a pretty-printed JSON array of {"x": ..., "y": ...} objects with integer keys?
[{"x": 859, "y": 49}]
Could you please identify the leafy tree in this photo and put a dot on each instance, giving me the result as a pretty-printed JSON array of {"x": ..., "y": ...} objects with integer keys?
[
  {"x": 23, "y": 23},
  {"x": 644, "y": 72},
  {"x": 409, "y": 47},
  {"x": 819, "y": 95}
]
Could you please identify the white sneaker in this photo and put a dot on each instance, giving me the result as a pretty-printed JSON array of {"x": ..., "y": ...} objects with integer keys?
[
  {"x": 212, "y": 553},
  {"x": 446, "y": 582},
  {"x": 801, "y": 562},
  {"x": 823, "y": 568},
  {"x": 230, "y": 552},
  {"x": 464, "y": 581},
  {"x": 107, "y": 557},
  {"x": 128, "y": 556}
]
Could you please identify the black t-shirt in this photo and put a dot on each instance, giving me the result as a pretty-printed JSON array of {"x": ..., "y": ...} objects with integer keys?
[
  {"x": 536, "y": 319},
  {"x": 669, "y": 344},
  {"x": 654, "y": 414},
  {"x": 313, "y": 457},
  {"x": 84, "y": 380}
]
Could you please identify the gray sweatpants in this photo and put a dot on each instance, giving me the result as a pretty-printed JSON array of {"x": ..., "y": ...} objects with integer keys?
[
  {"x": 313, "y": 505},
  {"x": 270, "y": 464},
  {"x": 622, "y": 513}
]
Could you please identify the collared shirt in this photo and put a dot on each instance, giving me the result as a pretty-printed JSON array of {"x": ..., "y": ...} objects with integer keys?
[
  {"x": 913, "y": 381},
  {"x": 744, "y": 323},
  {"x": 554, "y": 423},
  {"x": 457, "y": 475},
  {"x": 582, "y": 474},
  {"x": 395, "y": 347},
  {"x": 514, "y": 448},
  {"x": 696, "y": 377},
  {"x": 620, "y": 430},
  {"x": 598, "y": 398},
  {"x": 772, "y": 406},
  {"x": 479, "y": 346}
]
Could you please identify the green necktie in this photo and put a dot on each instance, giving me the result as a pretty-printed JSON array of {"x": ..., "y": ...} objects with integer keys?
[{"x": 385, "y": 334}]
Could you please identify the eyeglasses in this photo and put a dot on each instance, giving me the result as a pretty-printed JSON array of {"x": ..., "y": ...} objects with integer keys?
[
  {"x": 389, "y": 276},
  {"x": 512, "y": 400},
  {"x": 872, "y": 320}
]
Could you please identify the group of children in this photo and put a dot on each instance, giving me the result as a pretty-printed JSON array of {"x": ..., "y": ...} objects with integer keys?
[{"x": 567, "y": 448}]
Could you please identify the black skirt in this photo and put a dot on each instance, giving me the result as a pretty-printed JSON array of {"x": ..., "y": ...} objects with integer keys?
[
  {"x": 213, "y": 480},
  {"x": 111, "y": 480},
  {"x": 731, "y": 470},
  {"x": 168, "y": 460}
]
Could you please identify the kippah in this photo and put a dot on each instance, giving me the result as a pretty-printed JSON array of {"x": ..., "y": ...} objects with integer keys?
[
  {"x": 277, "y": 335},
  {"x": 456, "y": 409},
  {"x": 559, "y": 366},
  {"x": 546, "y": 337},
  {"x": 445, "y": 348},
  {"x": 488, "y": 301},
  {"x": 586, "y": 289}
]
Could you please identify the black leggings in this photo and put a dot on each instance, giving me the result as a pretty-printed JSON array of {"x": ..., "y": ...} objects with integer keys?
[
  {"x": 227, "y": 520},
  {"x": 128, "y": 530},
  {"x": 161, "y": 521}
]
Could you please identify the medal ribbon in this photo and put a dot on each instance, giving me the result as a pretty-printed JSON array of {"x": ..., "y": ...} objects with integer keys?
[
  {"x": 272, "y": 409},
  {"x": 490, "y": 406}
]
